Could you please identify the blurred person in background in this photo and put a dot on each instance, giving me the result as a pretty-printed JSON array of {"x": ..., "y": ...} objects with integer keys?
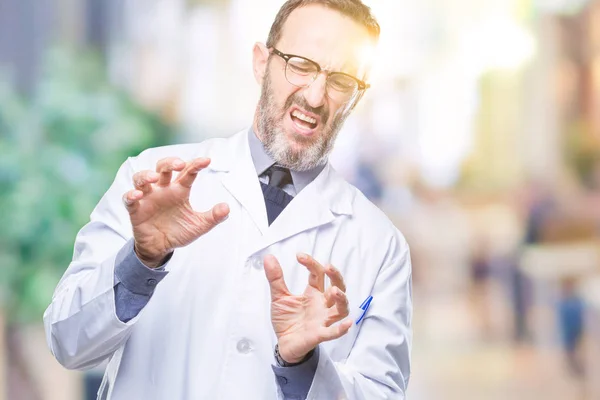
[
  {"x": 178, "y": 300},
  {"x": 368, "y": 182},
  {"x": 570, "y": 309},
  {"x": 480, "y": 282},
  {"x": 539, "y": 205}
]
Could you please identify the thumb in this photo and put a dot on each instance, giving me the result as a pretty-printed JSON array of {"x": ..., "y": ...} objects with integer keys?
[
  {"x": 214, "y": 216},
  {"x": 275, "y": 277}
]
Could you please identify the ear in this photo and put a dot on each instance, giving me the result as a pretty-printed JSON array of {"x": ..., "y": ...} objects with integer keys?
[{"x": 260, "y": 58}]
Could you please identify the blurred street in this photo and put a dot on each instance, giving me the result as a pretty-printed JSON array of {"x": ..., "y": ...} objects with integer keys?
[{"x": 454, "y": 360}]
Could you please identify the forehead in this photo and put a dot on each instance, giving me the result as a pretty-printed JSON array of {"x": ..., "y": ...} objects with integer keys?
[{"x": 326, "y": 36}]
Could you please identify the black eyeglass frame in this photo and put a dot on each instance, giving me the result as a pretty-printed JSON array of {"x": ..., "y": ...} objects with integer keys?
[{"x": 362, "y": 85}]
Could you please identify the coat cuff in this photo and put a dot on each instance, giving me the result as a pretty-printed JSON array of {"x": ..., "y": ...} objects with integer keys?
[{"x": 295, "y": 382}]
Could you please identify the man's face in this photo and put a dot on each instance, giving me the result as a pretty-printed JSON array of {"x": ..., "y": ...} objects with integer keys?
[{"x": 298, "y": 125}]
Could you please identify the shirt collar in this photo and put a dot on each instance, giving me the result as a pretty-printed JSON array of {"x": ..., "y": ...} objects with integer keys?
[{"x": 263, "y": 161}]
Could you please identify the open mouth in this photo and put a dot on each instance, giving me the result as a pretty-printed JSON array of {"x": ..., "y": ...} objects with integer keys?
[{"x": 304, "y": 122}]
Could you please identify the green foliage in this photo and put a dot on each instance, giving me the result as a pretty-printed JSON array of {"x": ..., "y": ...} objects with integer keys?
[{"x": 59, "y": 152}]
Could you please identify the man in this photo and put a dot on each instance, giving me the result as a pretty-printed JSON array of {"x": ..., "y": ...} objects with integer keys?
[{"x": 234, "y": 303}]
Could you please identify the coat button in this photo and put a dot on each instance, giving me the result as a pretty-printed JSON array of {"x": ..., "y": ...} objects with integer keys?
[
  {"x": 243, "y": 346},
  {"x": 151, "y": 282},
  {"x": 257, "y": 263}
]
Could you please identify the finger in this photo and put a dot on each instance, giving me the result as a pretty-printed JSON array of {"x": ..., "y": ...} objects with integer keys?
[
  {"x": 330, "y": 295},
  {"x": 165, "y": 168},
  {"x": 188, "y": 175},
  {"x": 341, "y": 302},
  {"x": 131, "y": 199},
  {"x": 335, "y": 276},
  {"x": 339, "y": 310},
  {"x": 335, "y": 331},
  {"x": 275, "y": 277},
  {"x": 214, "y": 216},
  {"x": 143, "y": 180},
  {"x": 316, "y": 278}
]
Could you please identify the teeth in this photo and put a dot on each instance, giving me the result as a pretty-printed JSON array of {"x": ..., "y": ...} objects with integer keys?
[{"x": 303, "y": 117}]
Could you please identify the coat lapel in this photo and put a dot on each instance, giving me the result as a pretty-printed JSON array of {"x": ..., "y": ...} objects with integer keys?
[
  {"x": 318, "y": 204},
  {"x": 241, "y": 180}
]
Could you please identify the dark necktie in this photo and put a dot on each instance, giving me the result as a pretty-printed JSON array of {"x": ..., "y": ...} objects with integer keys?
[{"x": 275, "y": 198}]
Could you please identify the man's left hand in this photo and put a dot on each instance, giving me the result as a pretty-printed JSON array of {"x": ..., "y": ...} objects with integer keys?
[{"x": 302, "y": 322}]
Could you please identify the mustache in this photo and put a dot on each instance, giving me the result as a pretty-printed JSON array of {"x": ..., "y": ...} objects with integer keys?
[{"x": 300, "y": 101}]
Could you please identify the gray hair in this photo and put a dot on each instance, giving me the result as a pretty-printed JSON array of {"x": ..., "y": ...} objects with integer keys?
[{"x": 353, "y": 9}]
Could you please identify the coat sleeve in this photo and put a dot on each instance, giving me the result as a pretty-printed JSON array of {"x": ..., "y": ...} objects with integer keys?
[
  {"x": 82, "y": 327},
  {"x": 378, "y": 366}
]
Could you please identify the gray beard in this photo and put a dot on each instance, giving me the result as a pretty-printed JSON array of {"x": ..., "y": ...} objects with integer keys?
[{"x": 315, "y": 151}]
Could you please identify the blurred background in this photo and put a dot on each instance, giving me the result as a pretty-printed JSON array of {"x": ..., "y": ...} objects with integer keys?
[{"x": 480, "y": 138}]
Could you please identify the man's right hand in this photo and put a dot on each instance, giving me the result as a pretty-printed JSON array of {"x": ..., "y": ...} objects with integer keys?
[{"x": 160, "y": 211}]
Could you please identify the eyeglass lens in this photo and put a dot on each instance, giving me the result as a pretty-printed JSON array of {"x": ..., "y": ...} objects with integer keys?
[{"x": 302, "y": 73}]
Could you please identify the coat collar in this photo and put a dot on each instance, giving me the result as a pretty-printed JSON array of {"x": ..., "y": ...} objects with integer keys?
[{"x": 317, "y": 204}]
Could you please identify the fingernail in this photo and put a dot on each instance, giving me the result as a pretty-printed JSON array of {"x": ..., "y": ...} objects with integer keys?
[{"x": 301, "y": 256}]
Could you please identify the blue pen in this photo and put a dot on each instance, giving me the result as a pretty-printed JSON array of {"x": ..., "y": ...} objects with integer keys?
[{"x": 364, "y": 306}]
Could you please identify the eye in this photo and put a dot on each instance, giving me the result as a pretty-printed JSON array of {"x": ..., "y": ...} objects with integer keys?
[
  {"x": 301, "y": 66},
  {"x": 342, "y": 83}
]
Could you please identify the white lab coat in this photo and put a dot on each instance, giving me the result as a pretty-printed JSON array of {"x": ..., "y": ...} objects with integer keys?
[{"x": 206, "y": 333}]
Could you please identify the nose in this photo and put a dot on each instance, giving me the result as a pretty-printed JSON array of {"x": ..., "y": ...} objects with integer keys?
[{"x": 315, "y": 94}]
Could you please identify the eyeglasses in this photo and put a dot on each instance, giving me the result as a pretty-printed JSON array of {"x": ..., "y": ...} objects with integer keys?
[{"x": 302, "y": 72}]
